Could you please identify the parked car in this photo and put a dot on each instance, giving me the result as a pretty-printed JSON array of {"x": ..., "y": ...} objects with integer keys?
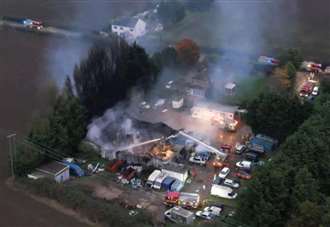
[
  {"x": 214, "y": 210},
  {"x": 204, "y": 214},
  {"x": 224, "y": 172},
  {"x": 231, "y": 183},
  {"x": 244, "y": 164},
  {"x": 250, "y": 156},
  {"x": 240, "y": 148},
  {"x": 243, "y": 175},
  {"x": 198, "y": 160},
  {"x": 327, "y": 70},
  {"x": 315, "y": 91}
]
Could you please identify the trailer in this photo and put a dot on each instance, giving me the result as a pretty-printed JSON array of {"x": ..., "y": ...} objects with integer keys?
[
  {"x": 152, "y": 177},
  {"x": 159, "y": 180},
  {"x": 180, "y": 215}
]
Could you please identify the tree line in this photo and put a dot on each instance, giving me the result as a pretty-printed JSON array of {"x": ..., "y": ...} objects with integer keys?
[{"x": 293, "y": 188}]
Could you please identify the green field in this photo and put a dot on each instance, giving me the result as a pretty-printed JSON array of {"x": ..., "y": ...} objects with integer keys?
[{"x": 247, "y": 89}]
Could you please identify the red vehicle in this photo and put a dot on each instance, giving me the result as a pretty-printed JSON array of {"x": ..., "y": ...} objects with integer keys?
[
  {"x": 128, "y": 174},
  {"x": 243, "y": 175},
  {"x": 36, "y": 24},
  {"x": 183, "y": 199},
  {"x": 115, "y": 166},
  {"x": 306, "y": 89},
  {"x": 226, "y": 147}
]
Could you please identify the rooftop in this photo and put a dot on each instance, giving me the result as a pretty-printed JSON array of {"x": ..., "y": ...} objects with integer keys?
[
  {"x": 182, "y": 212},
  {"x": 52, "y": 168},
  {"x": 216, "y": 106}
]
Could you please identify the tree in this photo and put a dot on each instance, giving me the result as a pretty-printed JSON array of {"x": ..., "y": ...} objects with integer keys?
[
  {"x": 291, "y": 55},
  {"x": 171, "y": 12},
  {"x": 291, "y": 71},
  {"x": 26, "y": 160},
  {"x": 165, "y": 58},
  {"x": 305, "y": 187},
  {"x": 188, "y": 52},
  {"x": 309, "y": 214},
  {"x": 66, "y": 125},
  {"x": 276, "y": 115},
  {"x": 291, "y": 190},
  {"x": 109, "y": 72}
]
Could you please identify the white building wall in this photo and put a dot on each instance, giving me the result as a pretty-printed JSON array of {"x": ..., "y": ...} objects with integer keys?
[
  {"x": 180, "y": 176},
  {"x": 63, "y": 176}
]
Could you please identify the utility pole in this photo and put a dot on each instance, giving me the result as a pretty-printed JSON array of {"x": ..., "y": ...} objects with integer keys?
[{"x": 12, "y": 151}]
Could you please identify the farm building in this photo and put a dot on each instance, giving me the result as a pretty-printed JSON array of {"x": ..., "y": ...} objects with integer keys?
[{"x": 55, "y": 170}]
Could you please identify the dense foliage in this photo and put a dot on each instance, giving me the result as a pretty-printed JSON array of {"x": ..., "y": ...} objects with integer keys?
[
  {"x": 276, "y": 115},
  {"x": 188, "y": 52},
  {"x": 293, "y": 189},
  {"x": 79, "y": 199},
  {"x": 65, "y": 126},
  {"x": 171, "y": 12},
  {"x": 109, "y": 72},
  {"x": 291, "y": 55},
  {"x": 60, "y": 131},
  {"x": 26, "y": 160},
  {"x": 166, "y": 58}
]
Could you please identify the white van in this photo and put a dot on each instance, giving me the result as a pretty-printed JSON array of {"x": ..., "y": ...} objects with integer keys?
[{"x": 223, "y": 191}]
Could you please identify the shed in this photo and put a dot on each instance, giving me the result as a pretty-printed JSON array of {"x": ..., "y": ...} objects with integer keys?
[
  {"x": 180, "y": 215},
  {"x": 56, "y": 170},
  {"x": 230, "y": 88},
  {"x": 262, "y": 144}
]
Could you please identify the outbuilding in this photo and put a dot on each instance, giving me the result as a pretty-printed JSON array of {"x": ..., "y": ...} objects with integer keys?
[
  {"x": 180, "y": 215},
  {"x": 55, "y": 170},
  {"x": 262, "y": 144},
  {"x": 230, "y": 88}
]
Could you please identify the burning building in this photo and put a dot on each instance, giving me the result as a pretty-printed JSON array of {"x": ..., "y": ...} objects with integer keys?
[
  {"x": 116, "y": 131},
  {"x": 222, "y": 115}
]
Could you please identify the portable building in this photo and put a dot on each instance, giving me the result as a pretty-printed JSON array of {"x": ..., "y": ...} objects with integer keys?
[
  {"x": 152, "y": 177},
  {"x": 56, "y": 170},
  {"x": 159, "y": 180},
  {"x": 180, "y": 215}
]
